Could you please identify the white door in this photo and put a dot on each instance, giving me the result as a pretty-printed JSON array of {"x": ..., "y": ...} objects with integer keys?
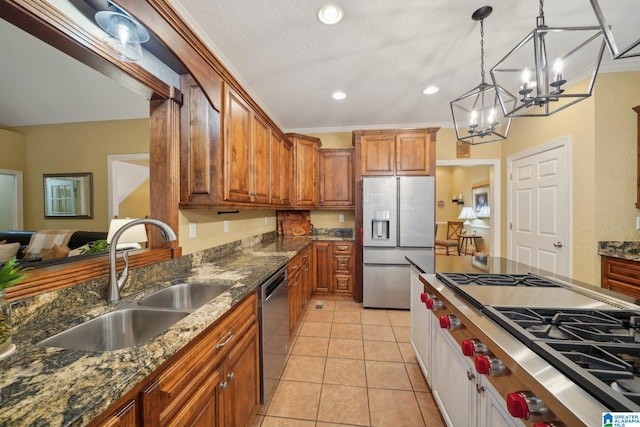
[
  {"x": 540, "y": 208},
  {"x": 11, "y": 196}
]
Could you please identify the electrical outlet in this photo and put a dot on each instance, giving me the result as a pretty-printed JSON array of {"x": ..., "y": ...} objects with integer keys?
[
  {"x": 266, "y": 220},
  {"x": 192, "y": 230},
  {"x": 638, "y": 222},
  {"x": 341, "y": 218},
  {"x": 226, "y": 225}
]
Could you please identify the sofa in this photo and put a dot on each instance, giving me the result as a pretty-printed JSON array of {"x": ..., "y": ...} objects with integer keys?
[{"x": 76, "y": 240}]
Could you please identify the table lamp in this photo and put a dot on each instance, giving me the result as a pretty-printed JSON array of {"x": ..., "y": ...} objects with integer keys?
[
  {"x": 467, "y": 214},
  {"x": 131, "y": 238}
]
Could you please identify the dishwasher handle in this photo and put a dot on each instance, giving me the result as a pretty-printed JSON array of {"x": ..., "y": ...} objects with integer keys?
[{"x": 270, "y": 286}]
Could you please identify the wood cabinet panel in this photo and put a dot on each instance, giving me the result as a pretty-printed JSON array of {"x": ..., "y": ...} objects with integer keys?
[
  {"x": 336, "y": 177},
  {"x": 260, "y": 163},
  {"x": 621, "y": 275},
  {"x": 378, "y": 155},
  {"x": 125, "y": 417},
  {"x": 322, "y": 267},
  {"x": 305, "y": 149},
  {"x": 280, "y": 172},
  {"x": 237, "y": 148},
  {"x": 242, "y": 390},
  {"x": 412, "y": 154}
]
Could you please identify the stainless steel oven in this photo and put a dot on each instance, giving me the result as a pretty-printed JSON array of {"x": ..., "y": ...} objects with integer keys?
[{"x": 274, "y": 331}]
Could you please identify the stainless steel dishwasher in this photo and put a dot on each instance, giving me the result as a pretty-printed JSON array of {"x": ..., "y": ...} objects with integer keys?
[{"x": 274, "y": 331}]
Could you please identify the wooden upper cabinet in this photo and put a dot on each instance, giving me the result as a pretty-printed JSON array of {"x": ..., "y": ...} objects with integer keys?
[
  {"x": 412, "y": 154},
  {"x": 281, "y": 159},
  {"x": 246, "y": 162},
  {"x": 200, "y": 146},
  {"x": 395, "y": 151},
  {"x": 378, "y": 154},
  {"x": 336, "y": 177},
  {"x": 305, "y": 149}
]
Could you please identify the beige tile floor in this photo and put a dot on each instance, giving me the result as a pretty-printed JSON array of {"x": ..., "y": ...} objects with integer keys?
[{"x": 350, "y": 366}]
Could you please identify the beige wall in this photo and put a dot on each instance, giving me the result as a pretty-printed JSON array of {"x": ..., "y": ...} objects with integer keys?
[
  {"x": 76, "y": 147},
  {"x": 602, "y": 129},
  {"x": 13, "y": 146}
]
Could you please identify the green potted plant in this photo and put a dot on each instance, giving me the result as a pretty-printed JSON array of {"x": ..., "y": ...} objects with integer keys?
[{"x": 11, "y": 274}]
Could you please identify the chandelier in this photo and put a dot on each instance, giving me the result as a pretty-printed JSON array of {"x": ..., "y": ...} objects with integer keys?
[
  {"x": 619, "y": 21},
  {"x": 477, "y": 115},
  {"x": 543, "y": 69}
]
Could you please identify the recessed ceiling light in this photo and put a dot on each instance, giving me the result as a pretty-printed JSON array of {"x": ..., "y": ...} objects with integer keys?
[
  {"x": 430, "y": 90},
  {"x": 339, "y": 95},
  {"x": 330, "y": 14}
]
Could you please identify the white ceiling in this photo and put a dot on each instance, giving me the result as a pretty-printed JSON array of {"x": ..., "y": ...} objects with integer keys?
[{"x": 382, "y": 55}]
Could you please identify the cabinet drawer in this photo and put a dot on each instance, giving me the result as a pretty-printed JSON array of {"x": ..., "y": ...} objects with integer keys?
[
  {"x": 342, "y": 248},
  {"x": 293, "y": 265},
  {"x": 305, "y": 255},
  {"x": 343, "y": 284},
  {"x": 167, "y": 394},
  {"x": 343, "y": 264}
]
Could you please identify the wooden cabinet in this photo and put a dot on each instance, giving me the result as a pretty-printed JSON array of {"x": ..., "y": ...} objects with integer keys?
[
  {"x": 333, "y": 268},
  {"x": 246, "y": 145},
  {"x": 124, "y": 417},
  {"x": 395, "y": 151},
  {"x": 281, "y": 158},
  {"x": 336, "y": 178},
  {"x": 305, "y": 149},
  {"x": 200, "y": 146},
  {"x": 621, "y": 275},
  {"x": 230, "y": 155},
  {"x": 214, "y": 381},
  {"x": 298, "y": 269}
]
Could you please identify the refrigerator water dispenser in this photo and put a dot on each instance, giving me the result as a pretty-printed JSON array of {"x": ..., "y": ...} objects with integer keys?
[{"x": 380, "y": 225}]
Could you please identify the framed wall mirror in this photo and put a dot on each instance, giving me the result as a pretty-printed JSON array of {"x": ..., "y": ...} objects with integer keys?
[{"x": 68, "y": 195}]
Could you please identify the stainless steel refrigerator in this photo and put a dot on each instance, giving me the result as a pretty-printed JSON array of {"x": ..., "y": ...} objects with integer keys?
[{"x": 397, "y": 220}]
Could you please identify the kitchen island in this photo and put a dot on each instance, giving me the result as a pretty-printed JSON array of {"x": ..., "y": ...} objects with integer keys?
[
  {"x": 61, "y": 387},
  {"x": 471, "y": 361}
]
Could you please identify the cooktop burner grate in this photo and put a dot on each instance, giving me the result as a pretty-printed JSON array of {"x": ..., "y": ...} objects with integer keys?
[{"x": 484, "y": 279}]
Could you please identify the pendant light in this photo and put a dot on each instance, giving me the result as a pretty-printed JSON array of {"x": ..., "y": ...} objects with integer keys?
[
  {"x": 477, "y": 115},
  {"x": 543, "y": 69},
  {"x": 619, "y": 21},
  {"x": 123, "y": 34}
]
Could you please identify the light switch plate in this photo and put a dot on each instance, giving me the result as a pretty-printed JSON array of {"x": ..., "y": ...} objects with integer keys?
[
  {"x": 226, "y": 225},
  {"x": 192, "y": 230},
  {"x": 638, "y": 223},
  {"x": 341, "y": 218}
]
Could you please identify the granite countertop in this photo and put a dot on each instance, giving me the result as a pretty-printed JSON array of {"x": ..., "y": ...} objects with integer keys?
[
  {"x": 629, "y": 250},
  {"x": 61, "y": 387}
]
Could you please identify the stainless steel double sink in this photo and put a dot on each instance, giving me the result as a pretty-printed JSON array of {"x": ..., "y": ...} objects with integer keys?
[{"x": 138, "y": 322}]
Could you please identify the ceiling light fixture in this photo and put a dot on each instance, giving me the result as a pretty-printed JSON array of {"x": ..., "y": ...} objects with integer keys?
[
  {"x": 123, "y": 34},
  {"x": 330, "y": 14},
  {"x": 339, "y": 96},
  {"x": 618, "y": 31},
  {"x": 430, "y": 90},
  {"x": 477, "y": 115},
  {"x": 539, "y": 75}
]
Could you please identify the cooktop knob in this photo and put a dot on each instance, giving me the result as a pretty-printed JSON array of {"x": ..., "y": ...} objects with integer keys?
[
  {"x": 527, "y": 406},
  {"x": 487, "y": 364},
  {"x": 472, "y": 347},
  {"x": 549, "y": 424},
  {"x": 450, "y": 322},
  {"x": 433, "y": 303},
  {"x": 424, "y": 297}
]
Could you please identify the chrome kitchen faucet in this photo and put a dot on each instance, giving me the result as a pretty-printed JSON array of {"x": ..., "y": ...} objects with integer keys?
[{"x": 117, "y": 283}]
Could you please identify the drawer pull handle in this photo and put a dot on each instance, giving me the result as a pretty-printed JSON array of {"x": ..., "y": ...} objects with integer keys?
[
  {"x": 224, "y": 385},
  {"x": 231, "y": 376},
  {"x": 225, "y": 342}
]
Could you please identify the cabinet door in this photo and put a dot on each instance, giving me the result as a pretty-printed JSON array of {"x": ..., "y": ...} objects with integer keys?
[
  {"x": 420, "y": 325},
  {"x": 294, "y": 300},
  {"x": 378, "y": 155},
  {"x": 205, "y": 408},
  {"x": 492, "y": 408},
  {"x": 200, "y": 147},
  {"x": 413, "y": 154},
  {"x": 307, "y": 276},
  {"x": 276, "y": 156},
  {"x": 125, "y": 417},
  {"x": 322, "y": 268},
  {"x": 238, "y": 119},
  {"x": 242, "y": 378},
  {"x": 306, "y": 152},
  {"x": 287, "y": 172},
  {"x": 342, "y": 284},
  {"x": 336, "y": 178},
  {"x": 259, "y": 155},
  {"x": 453, "y": 381}
]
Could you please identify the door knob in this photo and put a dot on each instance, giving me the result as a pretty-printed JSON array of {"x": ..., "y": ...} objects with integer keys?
[{"x": 557, "y": 244}]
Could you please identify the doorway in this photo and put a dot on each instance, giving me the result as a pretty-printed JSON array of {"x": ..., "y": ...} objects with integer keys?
[
  {"x": 495, "y": 196},
  {"x": 11, "y": 209},
  {"x": 539, "y": 207},
  {"x": 129, "y": 193}
]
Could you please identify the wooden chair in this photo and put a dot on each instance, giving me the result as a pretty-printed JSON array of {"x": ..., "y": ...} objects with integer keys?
[{"x": 454, "y": 230}]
